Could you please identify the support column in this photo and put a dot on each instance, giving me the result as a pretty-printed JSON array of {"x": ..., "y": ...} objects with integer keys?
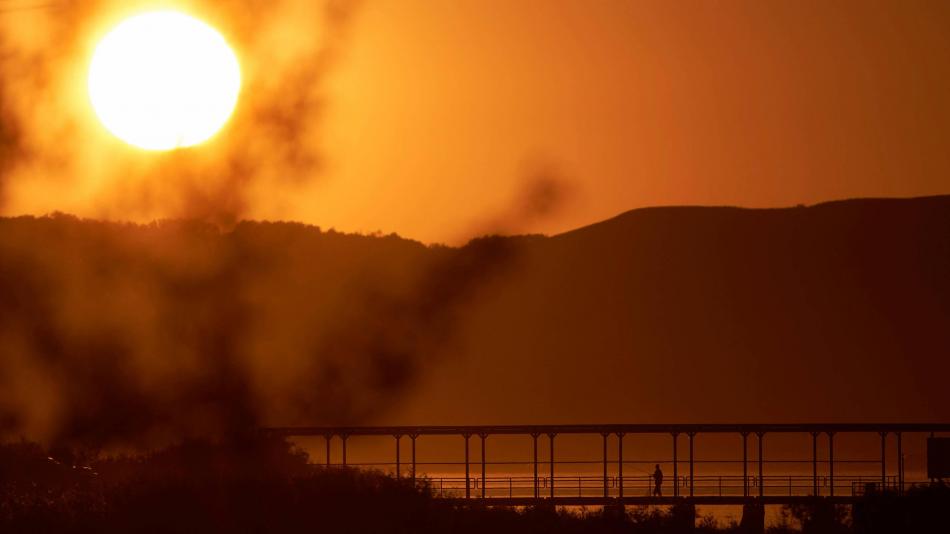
[
  {"x": 484, "y": 479},
  {"x": 931, "y": 480},
  {"x": 691, "y": 435},
  {"x": 831, "y": 463},
  {"x": 606, "y": 490},
  {"x": 328, "y": 437},
  {"x": 900, "y": 466},
  {"x": 468, "y": 487},
  {"x": 620, "y": 464},
  {"x": 761, "y": 477},
  {"x": 412, "y": 439},
  {"x": 534, "y": 437},
  {"x": 753, "y": 518},
  {"x": 398, "y": 465},
  {"x": 676, "y": 482},
  {"x": 745, "y": 464},
  {"x": 814, "y": 464},
  {"x": 344, "y": 437},
  {"x": 551, "y": 437},
  {"x": 883, "y": 461}
]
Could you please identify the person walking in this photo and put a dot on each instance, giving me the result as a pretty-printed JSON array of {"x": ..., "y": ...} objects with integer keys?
[{"x": 657, "y": 481}]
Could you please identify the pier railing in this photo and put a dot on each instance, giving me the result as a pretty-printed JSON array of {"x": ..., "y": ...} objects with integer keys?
[{"x": 612, "y": 483}]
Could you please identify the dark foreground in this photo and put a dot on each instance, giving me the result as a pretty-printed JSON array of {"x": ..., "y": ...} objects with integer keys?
[{"x": 266, "y": 486}]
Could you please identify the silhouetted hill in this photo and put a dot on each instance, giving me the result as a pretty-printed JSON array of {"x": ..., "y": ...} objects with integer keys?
[
  {"x": 118, "y": 332},
  {"x": 831, "y": 312}
]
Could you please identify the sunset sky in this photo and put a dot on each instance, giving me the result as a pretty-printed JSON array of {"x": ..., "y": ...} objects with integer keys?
[
  {"x": 443, "y": 120},
  {"x": 432, "y": 118},
  {"x": 635, "y": 103}
]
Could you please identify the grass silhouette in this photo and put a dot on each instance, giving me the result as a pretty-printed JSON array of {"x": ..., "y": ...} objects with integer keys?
[{"x": 266, "y": 485}]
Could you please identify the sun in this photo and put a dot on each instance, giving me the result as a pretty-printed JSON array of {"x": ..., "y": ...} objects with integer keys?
[{"x": 164, "y": 80}]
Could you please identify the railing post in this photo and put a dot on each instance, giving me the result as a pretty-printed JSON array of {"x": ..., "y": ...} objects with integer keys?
[
  {"x": 831, "y": 463},
  {"x": 412, "y": 439},
  {"x": 620, "y": 464},
  {"x": 484, "y": 480},
  {"x": 606, "y": 490},
  {"x": 551, "y": 437},
  {"x": 814, "y": 464},
  {"x": 691, "y": 435},
  {"x": 534, "y": 438},
  {"x": 676, "y": 481},
  {"x": 328, "y": 437},
  {"x": 344, "y": 437},
  {"x": 745, "y": 464},
  {"x": 398, "y": 465},
  {"x": 900, "y": 466},
  {"x": 468, "y": 489},
  {"x": 761, "y": 477},
  {"x": 883, "y": 461}
]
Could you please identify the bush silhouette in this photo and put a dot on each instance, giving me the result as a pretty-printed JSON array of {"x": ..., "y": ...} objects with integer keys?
[{"x": 265, "y": 485}]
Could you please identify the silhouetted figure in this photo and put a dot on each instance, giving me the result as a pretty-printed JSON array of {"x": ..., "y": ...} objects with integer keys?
[{"x": 657, "y": 481}]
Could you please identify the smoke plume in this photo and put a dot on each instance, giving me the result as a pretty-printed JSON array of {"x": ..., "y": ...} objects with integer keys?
[{"x": 136, "y": 335}]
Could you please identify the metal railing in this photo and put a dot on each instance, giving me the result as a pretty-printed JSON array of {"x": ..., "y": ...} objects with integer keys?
[{"x": 642, "y": 486}]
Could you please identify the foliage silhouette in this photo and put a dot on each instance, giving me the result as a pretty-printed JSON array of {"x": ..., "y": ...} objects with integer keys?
[{"x": 265, "y": 485}]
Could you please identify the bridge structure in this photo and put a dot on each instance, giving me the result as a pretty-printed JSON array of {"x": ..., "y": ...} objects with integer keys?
[{"x": 613, "y": 487}]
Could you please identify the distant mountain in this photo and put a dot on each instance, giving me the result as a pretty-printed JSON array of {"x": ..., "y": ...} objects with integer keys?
[{"x": 117, "y": 332}]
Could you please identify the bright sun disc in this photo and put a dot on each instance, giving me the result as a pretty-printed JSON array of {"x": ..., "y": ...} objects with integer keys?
[{"x": 164, "y": 80}]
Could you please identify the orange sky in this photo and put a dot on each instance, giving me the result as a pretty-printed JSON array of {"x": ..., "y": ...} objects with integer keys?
[
  {"x": 436, "y": 113},
  {"x": 439, "y": 106}
]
